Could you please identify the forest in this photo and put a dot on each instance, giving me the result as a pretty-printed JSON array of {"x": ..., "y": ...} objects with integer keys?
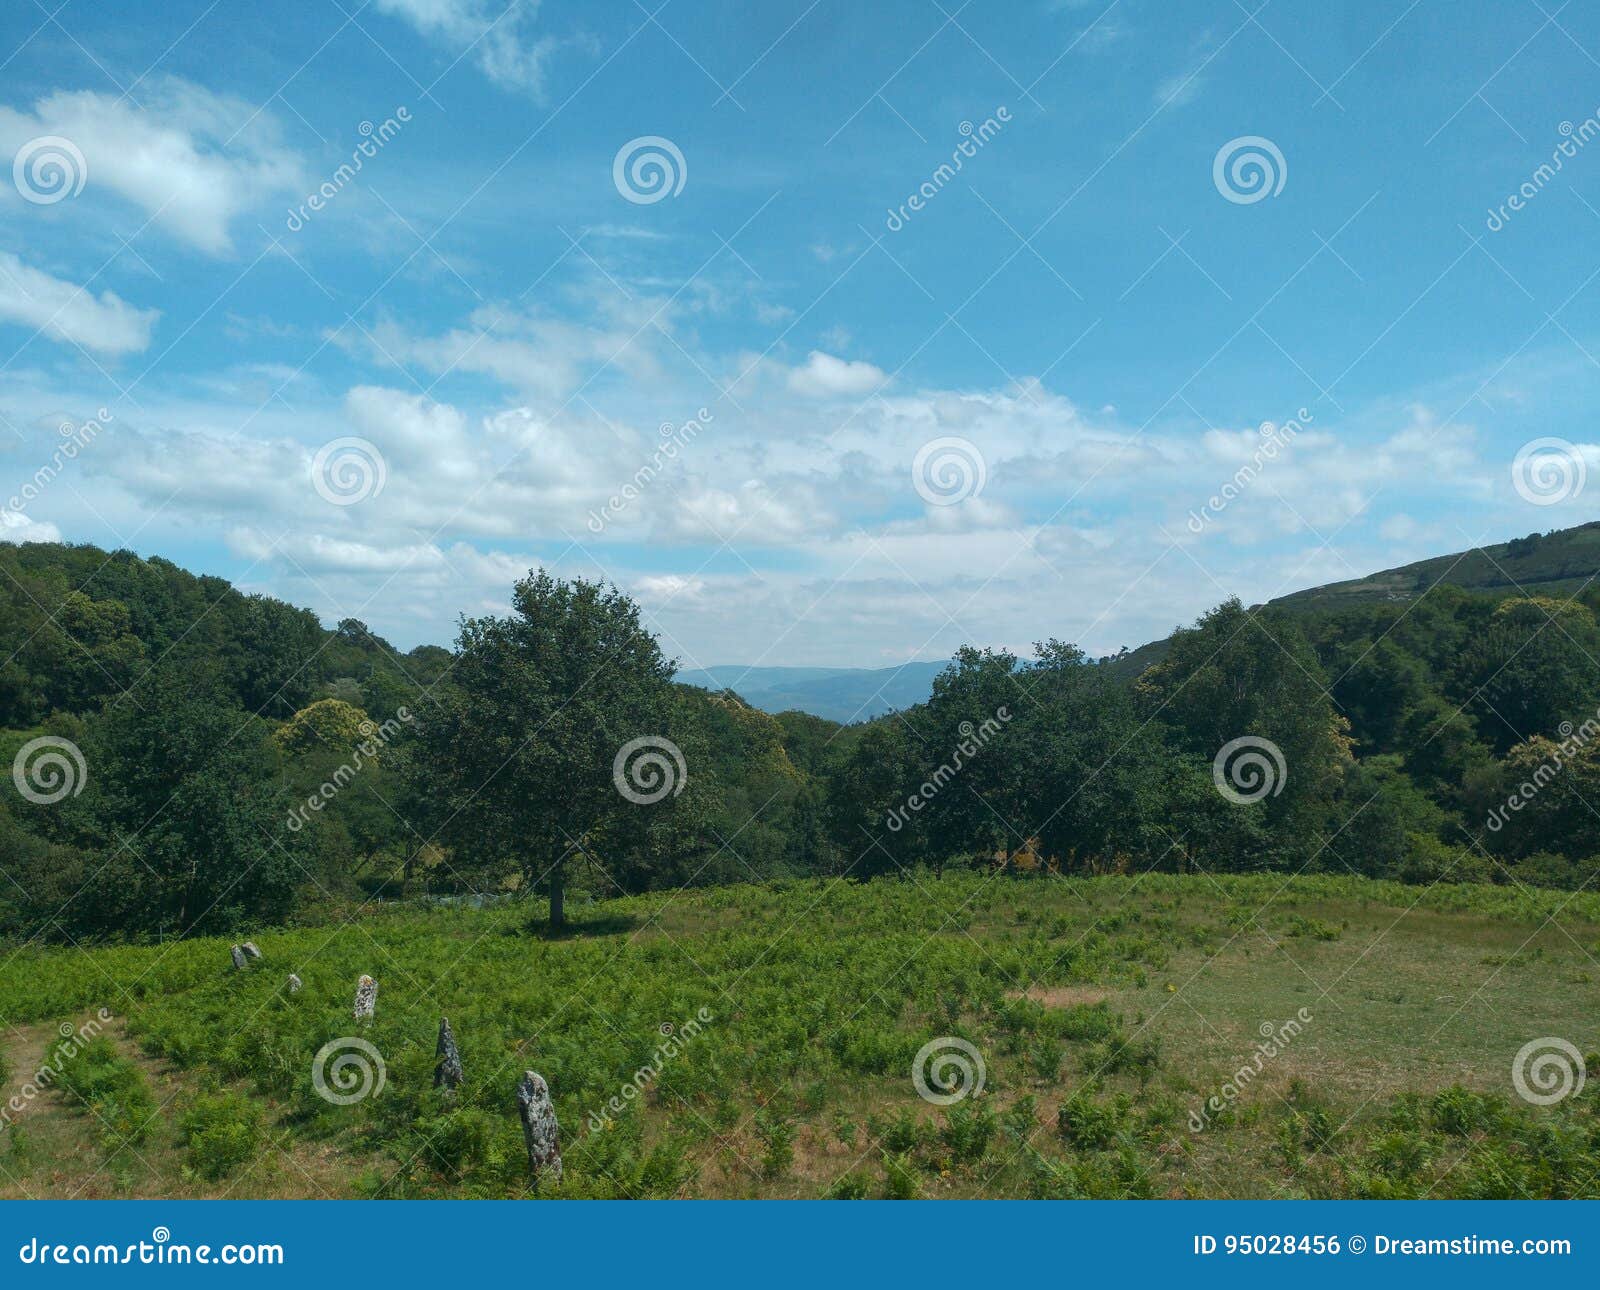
[{"x": 191, "y": 760}]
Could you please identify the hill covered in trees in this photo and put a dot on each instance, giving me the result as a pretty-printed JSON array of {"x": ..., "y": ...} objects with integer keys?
[{"x": 188, "y": 759}]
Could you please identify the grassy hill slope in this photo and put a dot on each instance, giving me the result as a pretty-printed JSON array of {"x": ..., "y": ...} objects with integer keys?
[{"x": 1105, "y": 1012}]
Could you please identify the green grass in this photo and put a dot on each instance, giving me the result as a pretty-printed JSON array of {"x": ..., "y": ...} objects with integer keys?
[{"x": 1105, "y": 1011}]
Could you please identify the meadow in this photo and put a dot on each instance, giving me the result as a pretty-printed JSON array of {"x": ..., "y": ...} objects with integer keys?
[{"x": 760, "y": 1041}]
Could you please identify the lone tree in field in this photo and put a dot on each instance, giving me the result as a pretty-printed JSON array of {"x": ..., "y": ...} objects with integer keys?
[{"x": 560, "y": 738}]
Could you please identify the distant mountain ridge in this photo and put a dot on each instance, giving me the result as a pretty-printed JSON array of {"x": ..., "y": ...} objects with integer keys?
[{"x": 838, "y": 693}]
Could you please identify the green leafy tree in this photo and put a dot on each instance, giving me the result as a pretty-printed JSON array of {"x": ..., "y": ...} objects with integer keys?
[
  {"x": 968, "y": 757},
  {"x": 525, "y": 742},
  {"x": 1242, "y": 673},
  {"x": 186, "y": 807},
  {"x": 870, "y": 822},
  {"x": 1533, "y": 666},
  {"x": 1090, "y": 772}
]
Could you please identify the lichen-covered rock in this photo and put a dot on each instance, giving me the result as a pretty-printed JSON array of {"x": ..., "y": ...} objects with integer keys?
[
  {"x": 366, "y": 998},
  {"x": 539, "y": 1128},
  {"x": 295, "y": 983},
  {"x": 239, "y": 960},
  {"x": 249, "y": 947},
  {"x": 447, "y": 1074}
]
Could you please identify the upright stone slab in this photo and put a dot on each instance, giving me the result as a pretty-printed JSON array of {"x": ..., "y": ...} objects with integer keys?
[
  {"x": 447, "y": 1074},
  {"x": 539, "y": 1128},
  {"x": 295, "y": 983},
  {"x": 366, "y": 998},
  {"x": 249, "y": 947},
  {"x": 239, "y": 960}
]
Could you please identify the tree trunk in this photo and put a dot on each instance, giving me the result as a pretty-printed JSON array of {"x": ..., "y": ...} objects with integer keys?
[{"x": 558, "y": 896}]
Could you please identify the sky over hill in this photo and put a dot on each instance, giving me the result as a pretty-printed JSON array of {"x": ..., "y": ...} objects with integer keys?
[{"x": 836, "y": 335}]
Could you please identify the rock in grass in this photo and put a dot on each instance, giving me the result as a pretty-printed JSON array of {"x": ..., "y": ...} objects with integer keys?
[
  {"x": 366, "y": 998},
  {"x": 249, "y": 947},
  {"x": 447, "y": 1074},
  {"x": 539, "y": 1128},
  {"x": 239, "y": 960},
  {"x": 295, "y": 983}
]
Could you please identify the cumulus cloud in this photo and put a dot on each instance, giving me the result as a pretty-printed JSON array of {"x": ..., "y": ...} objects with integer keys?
[
  {"x": 64, "y": 311},
  {"x": 192, "y": 160},
  {"x": 17, "y": 527},
  {"x": 822, "y": 376}
]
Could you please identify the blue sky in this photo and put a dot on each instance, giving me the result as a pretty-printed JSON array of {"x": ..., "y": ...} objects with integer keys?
[{"x": 1089, "y": 321}]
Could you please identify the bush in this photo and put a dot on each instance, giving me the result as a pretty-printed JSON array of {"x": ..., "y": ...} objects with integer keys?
[
  {"x": 112, "y": 1089},
  {"x": 222, "y": 1131},
  {"x": 1091, "y": 1125},
  {"x": 852, "y": 1186},
  {"x": 968, "y": 1130},
  {"x": 900, "y": 1180}
]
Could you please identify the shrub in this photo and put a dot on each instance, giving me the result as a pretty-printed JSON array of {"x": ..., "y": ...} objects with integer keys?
[
  {"x": 852, "y": 1186},
  {"x": 900, "y": 1180},
  {"x": 967, "y": 1131},
  {"x": 222, "y": 1131},
  {"x": 112, "y": 1089},
  {"x": 1091, "y": 1125}
]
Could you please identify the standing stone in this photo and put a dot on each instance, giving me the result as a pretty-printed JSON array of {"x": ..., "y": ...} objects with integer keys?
[
  {"x": 294, "y": 983},
  {"x": 366, "y": 998},
  {"x": 239, "y": 960},
  {"x": 539, "y": 1128},
  {"x": 447, "y": 1074},
  {"x": 249, "y": 947}
]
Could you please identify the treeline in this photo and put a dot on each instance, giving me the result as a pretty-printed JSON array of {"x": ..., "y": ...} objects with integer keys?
[{"x": 188, "y": 759}]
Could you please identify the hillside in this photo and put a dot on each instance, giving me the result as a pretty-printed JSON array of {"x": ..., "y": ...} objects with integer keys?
[{"x": 1558, "y": 564}]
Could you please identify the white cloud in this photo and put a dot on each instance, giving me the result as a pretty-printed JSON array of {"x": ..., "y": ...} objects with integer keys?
[
  {"x": 531, "y": 353},
  {"x": 493, "y": 32},
  {"x": 192, "y": 160},
  {"x": 17, "y": 527},
  {"x": 823, "y": 376},
  {"x": 64, "y": 311},
  {"x": 412, "y": 430}
]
